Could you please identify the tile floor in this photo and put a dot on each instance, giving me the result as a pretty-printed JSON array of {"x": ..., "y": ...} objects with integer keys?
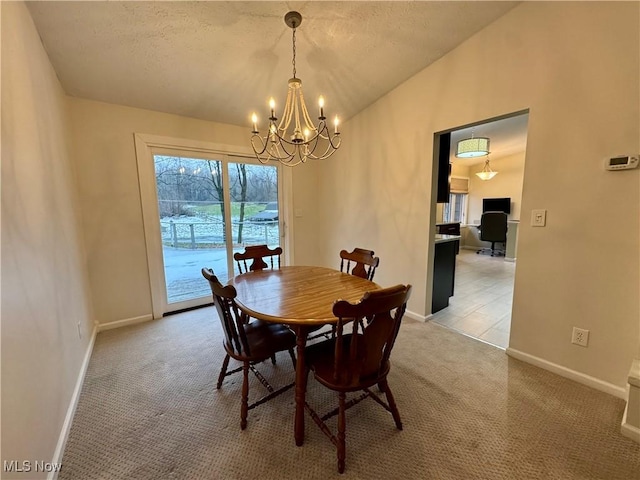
[{"x": 483, "y": 294}]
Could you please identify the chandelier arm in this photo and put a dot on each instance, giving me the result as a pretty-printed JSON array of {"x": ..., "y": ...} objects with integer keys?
[
  {"x": 323, "y": 130},
  {"x": 332, "y": 143},
  {"x": 312, "y": 137},
  {"x": 316, "y": 144},
  {"x": 286, "y": 152},
  {"x": 326, "y": 154},
  {"x": 311, "y": 147},
  {"x": 276, "y": 153},
  {"x": 269, "y": 149},
  {"x": 325, "y": 134},
  {"x": 328, "y": 151},
  {"x": 274, "y": 146},
  {"x": 288, "y": 158},
  {"x": 263, "y": 144},
  {"x": 283, "y": 141},
  {"x": 338, "y": 139}
]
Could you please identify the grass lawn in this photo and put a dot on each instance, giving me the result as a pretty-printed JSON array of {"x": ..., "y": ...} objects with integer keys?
[{"x": 249, "y": 209}]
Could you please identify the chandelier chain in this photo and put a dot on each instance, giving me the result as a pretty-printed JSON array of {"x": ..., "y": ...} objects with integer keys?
[{"x": 294, "y": 52}]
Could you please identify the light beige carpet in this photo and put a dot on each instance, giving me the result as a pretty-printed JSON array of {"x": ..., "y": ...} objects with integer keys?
[{"x": 149, "y": 409}]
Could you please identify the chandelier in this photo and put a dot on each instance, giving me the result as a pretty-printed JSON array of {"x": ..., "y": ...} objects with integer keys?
[
  {"x": 472, "y": 147},
  {"x": 295, "y": 138},
  {"x": 486, "y": 173}
]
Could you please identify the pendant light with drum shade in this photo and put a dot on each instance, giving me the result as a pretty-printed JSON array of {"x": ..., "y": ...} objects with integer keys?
[
  {"x": 476, "y": 147},
  {"x": 473, "y": 147}
]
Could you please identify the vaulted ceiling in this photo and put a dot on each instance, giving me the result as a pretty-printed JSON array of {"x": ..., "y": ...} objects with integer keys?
[{"x": 220, "y": 61}]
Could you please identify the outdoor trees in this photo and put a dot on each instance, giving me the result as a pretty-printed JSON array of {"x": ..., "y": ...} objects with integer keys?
[{"x": 186, "y": 185}]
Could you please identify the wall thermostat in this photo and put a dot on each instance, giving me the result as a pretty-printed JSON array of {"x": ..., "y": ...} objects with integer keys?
[{"x": 623, "y": 162}]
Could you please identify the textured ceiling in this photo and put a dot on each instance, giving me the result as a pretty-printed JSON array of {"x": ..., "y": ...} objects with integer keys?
[{"x": 220, "y": 61}]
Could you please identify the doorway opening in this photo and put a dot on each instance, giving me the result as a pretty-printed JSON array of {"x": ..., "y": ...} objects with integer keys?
[{"x": 481, "y": 299}]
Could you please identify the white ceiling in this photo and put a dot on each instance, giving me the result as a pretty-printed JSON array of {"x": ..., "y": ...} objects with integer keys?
[
  {"x": 507, "y": 136},
  {"x": 220, "y": 61}
]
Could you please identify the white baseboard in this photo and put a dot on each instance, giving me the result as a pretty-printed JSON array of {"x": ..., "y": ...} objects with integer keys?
[
  {"x": 510, "y": 259},
  {"x": 71, "y": 410},
  {"x": 124, "y": 323},
  {"x": 415, "y": 316},
  {"x": 587, "y": 380},
  {"x": 628, "y": 430}
]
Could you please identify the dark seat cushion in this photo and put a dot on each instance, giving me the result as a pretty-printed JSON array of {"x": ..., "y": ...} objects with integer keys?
[
  {"x": 264, "y": 338},
  {"x": 320, "y": 358}
]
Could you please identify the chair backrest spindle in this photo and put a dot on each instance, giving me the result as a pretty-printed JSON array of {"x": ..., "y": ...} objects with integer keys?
[
  {"x": 229, "y": 313},
  {"x": 361, "y": 263},
  {"x": 370, "y": 342},
  {"x": 253, "y": 258}
]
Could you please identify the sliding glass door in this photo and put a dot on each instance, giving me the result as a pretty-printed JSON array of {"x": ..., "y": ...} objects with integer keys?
[{"x": 209, "y": 208}]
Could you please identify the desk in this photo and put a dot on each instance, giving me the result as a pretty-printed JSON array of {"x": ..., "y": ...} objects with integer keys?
[
  {"x": 471, "y": 239},
  {"x": 301, "y": 298}
]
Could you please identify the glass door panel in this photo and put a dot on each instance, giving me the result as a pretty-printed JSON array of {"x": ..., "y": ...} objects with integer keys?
[
  {"x": 199, "y": 230},
  {"x": 192, "y": 226},
  {"x": 254, "y": 205}
]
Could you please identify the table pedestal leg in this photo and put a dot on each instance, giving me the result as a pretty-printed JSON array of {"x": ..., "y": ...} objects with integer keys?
[{"x": 301, "y": 380}]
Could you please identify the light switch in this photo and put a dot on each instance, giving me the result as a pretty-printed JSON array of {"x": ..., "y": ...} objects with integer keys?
[
  {"x": 538, "y": 218},
  {"x": 298, "y": 212}
]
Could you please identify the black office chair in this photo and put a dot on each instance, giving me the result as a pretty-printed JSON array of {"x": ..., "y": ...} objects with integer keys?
[{"x": 493, "y": 228}]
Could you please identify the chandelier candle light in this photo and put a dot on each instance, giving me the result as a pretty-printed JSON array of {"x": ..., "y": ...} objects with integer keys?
[{"x": 295, "y": 138}]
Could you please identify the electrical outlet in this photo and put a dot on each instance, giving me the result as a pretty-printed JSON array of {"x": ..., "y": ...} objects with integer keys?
[{"x": 580, "y": 337}]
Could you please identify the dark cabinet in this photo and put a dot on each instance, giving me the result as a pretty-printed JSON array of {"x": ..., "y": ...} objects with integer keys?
[
  {"x": 444, "y": 168},
  {"x": 444, "y": 273}
]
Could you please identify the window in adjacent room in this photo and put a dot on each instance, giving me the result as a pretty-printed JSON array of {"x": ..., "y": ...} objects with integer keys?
[{"x": 456, "y": 209}]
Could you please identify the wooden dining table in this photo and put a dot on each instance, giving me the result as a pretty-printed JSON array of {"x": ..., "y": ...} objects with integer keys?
[{"x": 302, "y": 298}]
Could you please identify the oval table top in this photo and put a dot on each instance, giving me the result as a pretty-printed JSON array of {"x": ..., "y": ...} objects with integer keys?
[{"x": 297, "y": 295}]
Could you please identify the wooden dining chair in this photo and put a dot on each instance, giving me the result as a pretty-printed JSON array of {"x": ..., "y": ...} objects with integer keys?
[
  {"x": 357, "y": 361},
  {"x": 360, "y": 262},
  {"x": 255, "y": 257},
  {"x": 247, "y": 342}
]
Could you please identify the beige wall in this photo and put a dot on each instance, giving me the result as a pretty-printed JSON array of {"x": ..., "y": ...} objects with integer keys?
[
  {"x": 45, "y": 300},
  {"x": 105, "y": 158},
  {"x": 540, "y": 56}
]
